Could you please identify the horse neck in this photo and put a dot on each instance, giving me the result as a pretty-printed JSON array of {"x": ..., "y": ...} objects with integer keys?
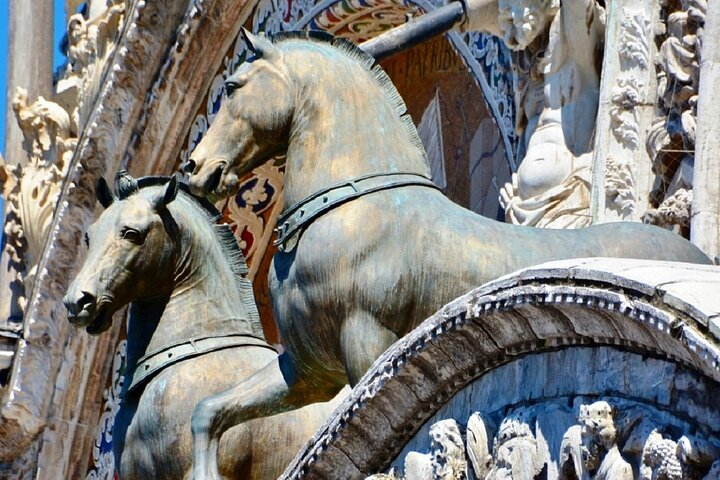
[
  {"x": 205, "y": 300},
  {"x": 345, "y": 126}
]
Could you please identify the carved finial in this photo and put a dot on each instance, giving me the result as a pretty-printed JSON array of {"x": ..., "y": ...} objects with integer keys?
[{"x": 126, "y": 184}]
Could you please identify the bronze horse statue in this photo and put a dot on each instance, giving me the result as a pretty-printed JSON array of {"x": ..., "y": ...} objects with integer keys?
[
  {"x": 193, "y": 331},
  {"x": 368, "y": 247}
]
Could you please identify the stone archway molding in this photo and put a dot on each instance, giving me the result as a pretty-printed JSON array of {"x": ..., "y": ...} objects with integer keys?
[
  {"x": 667, "y": 310},
  {"x": 50, "y": 407}
]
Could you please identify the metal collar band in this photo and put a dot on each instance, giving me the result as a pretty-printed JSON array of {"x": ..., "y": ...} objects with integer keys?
[
  {"x": 295, "y": 219},
  {"x": 156, "y": 361}
]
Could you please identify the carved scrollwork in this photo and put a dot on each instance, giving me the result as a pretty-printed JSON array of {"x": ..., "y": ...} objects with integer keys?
[{"x": 624, "y": 116}]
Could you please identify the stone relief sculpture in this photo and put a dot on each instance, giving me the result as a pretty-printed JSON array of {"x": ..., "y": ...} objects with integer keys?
[
  {"x": 50, "y": 130},
  {"x": 557, "y": 103},
  {"x": 590, "y": 449},
  {"x": 601, "y": 456},
  {"x": 193, "y": 330},
  {"x": 671, "y": 142},
  {"x": 366, "y": 195}
]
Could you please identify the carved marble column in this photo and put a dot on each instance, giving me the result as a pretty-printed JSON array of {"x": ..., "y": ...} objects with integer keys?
[
  {"x": 622, "y": 168},
  {"x": 705, "y": 221},
  {"x": 29, "y": 63}
]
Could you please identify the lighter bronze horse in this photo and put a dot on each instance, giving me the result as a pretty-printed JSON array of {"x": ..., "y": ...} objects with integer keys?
[
  {"x": 193, "y": 331},
  {"x": 369, "y": 248}
]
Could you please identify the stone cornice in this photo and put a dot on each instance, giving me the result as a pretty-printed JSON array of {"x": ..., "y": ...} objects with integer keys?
[{"x": 657, "y": 308}]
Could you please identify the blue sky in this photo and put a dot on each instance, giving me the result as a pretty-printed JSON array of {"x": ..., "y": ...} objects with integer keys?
[{"x": 58, "y": 58}]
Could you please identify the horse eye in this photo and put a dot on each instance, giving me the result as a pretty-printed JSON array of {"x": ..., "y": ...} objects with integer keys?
[
  {"x": 230, "y": 88},
  {"x": 87, "y": 240},
  {"x": 132, "y": 235}
]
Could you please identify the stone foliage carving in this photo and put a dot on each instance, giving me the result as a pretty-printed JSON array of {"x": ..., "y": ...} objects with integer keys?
[
  {"x": 610, "y": 441},
  {"x": 45, "y": 375},
  {"x": 671, "y": 141},
  {"x": 557, "y": 87},
  {"x": 32, "y": 190},
  {"x": 50, "y": 130},
  {"x": 620, "y": 186},
  {"x": 91, "y": 41}
]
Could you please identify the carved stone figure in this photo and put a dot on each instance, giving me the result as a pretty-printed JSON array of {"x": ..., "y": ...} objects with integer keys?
[
  {"x": 558, "y": 99},
  {"x": 671, "y": 141},
  {"x": 361, "y": 213},
  {"x": 515, "y": 450},
  {"x": 478, "y": 446},
  {"x": 601, "y": 456},
  {"x": 193, "y": 330}
]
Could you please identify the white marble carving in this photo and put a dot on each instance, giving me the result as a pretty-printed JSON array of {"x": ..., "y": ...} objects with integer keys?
[
  {"x": 619, "y": 187},
  {"x": 672, "y": 135},
  {"x": 558, "y": 82},
  {"x": 606, "y": 443},
  {"x": 32, "y": 189},
  {"x": 601, "y": 456}
]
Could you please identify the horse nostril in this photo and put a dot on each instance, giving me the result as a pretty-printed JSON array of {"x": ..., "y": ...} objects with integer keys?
[
  {"x": 86, "y": 300},
  {"x": 189, "y": 167},
  {"x": 75, "y": 307}
]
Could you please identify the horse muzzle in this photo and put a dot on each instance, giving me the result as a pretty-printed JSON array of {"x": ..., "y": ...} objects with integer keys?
[
  {"x": 84, "y": 311},
  {"x": 205, "y": 177}
]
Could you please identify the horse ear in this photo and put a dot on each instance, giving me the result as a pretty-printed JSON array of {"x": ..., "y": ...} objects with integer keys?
[
  {"x": 259, "y": 45},
  {"x": 103, "y": 193},
  {"x": 171, "y": 191}
]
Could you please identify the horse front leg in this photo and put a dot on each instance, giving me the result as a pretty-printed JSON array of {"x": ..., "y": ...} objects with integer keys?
[{"x": 275, "y": 388}]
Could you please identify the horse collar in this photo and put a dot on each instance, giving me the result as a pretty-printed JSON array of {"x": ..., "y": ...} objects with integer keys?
[
  {"x": 294, "y": 220},
  {"x": 154, "y": 362}
]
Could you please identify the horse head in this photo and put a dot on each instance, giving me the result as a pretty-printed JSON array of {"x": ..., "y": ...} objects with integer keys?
[
  {"x": 131, "y": 253},
  {"x": 252, "y": 124}
]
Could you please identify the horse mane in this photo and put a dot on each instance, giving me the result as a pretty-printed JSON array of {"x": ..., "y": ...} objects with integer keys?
[
  {"x": 365, "y": 60},
  {"x": 128, "y": 186}
]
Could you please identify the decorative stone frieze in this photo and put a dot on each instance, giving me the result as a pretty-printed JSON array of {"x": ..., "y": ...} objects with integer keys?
[{"x": 608, "y": 441}]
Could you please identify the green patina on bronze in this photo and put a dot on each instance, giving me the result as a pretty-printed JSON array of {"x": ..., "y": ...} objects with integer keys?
[
  {"x": 365, "y": 273},
  {"x": 193, "y": 330}
]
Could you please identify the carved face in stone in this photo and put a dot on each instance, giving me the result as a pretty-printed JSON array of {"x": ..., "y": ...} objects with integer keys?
[
  {"x": 521, "y": 21},
  {"x": 252, "y": 124},
  {"x": 131, "y": 256}
]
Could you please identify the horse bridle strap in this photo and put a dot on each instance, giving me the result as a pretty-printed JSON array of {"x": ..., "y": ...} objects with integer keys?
[
  {"x": 295, "y": 219},
  {"x": 154, "y": 362}
]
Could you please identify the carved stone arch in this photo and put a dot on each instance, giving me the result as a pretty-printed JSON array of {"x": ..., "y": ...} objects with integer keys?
[
  {"x": 634, "y": 310},
  {"x": 51, "y": 404}
]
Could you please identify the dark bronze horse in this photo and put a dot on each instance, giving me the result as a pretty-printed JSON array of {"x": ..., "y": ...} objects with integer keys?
[
  {"x": 193, "y": 331},
  {"x": 368, "y": 247}
]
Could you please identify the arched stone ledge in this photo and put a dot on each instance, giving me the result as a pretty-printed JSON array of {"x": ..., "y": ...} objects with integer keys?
[{"x": 667, "y": 310}]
